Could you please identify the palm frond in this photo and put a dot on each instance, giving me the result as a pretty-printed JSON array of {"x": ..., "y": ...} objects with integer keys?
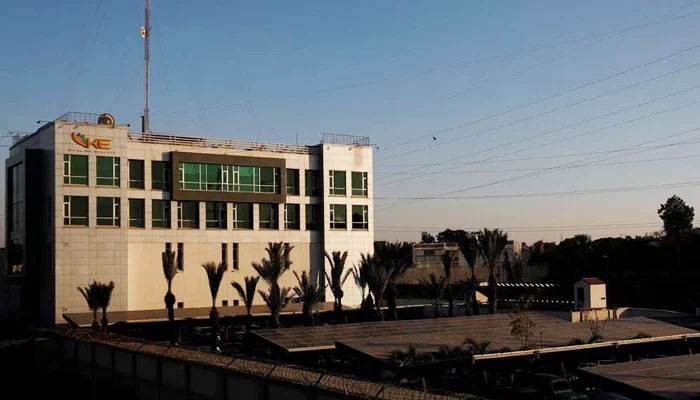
[
  {"x": 215, "y": 273},
  {"x": 169, "y": 266}
]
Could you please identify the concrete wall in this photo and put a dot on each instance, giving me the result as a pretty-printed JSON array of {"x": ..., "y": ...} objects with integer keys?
[{"x": 150, "y": 372}]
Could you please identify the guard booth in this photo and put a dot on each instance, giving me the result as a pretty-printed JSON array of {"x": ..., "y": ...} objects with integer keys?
[{"x": 589, "y": 293}]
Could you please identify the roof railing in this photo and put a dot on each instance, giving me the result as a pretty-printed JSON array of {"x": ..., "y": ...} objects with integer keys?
[
  {"x": 159, "y": 138},
  {"x": 337, "y": 138},
  {"x": 79, "y": 117}
]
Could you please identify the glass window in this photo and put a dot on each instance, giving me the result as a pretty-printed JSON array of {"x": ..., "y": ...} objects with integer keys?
[
  {"x": 224, "y": 253},
  {"x": 216, "y": 214},
  {"x": 160, "y": 214},
  {"x": 75, "y": 210},
  {"x": 108, "y": 211},
  {"x": 160, "y": 175},
  {"x": 312, "y": 186},
  {"x": 136, "y": 213},
  {"x": 230, "y": 178},
  {"x": 181, "y": 256},
  {"x": 291, "y": 216},
  {"x": 360, "y": 217},
  {"x": 293, "y": 181},
  {"x": 108, "y": 171},
  {"x": 242, "y": 216},
  {"x": 337, "y": 183},
  {"x": 16, "y": 196},
  {"x": 338, "y": 216},
  {"x": 359, "y": 184},
  {"x": 75, "y": 169},
  {"x": 187, "y": 214},
  {"x": 269, "y": 216},
  {"x": 313, "y": 217},
  {"x": 234, "y": 249},
  {"x": 136, "y": 176}
]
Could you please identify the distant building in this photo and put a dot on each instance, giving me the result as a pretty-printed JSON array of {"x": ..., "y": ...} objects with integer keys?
[
  {"x": 89, "y": 200},
  {"x": 590, "y": 293}
]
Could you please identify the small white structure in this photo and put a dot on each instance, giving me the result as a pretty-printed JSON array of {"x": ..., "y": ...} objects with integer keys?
[{"x": 589, "y": 293}]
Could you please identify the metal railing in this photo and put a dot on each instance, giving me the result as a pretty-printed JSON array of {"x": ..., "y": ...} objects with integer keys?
[
  {"x": 79, "y": 117},
  {"x": 336, "y": 138},
  {"x": 159, "y": 138}
]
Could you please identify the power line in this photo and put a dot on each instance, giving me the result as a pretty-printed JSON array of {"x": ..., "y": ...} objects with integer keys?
[
  {"x": 551, "y": 194},
  {"x": 556, "y": 109},
  {"x": 638, "y": 147},
  {"x": 571, "y": 126},
  {"x": 566, "y": 228},
  {"x": 545, "y": 168}
]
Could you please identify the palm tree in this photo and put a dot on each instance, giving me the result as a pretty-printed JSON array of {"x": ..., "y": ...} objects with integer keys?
[
  {"x": 247, "y": 295},
  {"x": 336, "y": 280},
  {"x": 435, "y": 287},
  {"x": 378, "y": 279},
  {"x": 170, "y": 270},
  {"x": 310, "y": 294},
  {"x": 395, "y": 257},
  {"x": 469, "y": 248},
  {"x": 215, "y": 273},
  {"x": 446, "y": 259},
  {"x": 270, "y": 270},
  {"x": 90, "y": 294},
  {"x": 361, "y": 277},
  {"x": 491, "y": 246},
  {"x": 103, "y": 295}
]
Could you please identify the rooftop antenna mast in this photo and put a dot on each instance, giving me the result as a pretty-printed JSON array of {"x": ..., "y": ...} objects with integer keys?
[{"x": 146, "y": 35}]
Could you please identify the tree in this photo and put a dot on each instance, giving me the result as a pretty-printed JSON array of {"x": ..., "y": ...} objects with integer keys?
[
  {"x": 270, "y": 270},
  {"x": 103, "y": 295},
  {"x": 469, "y": 247},
  {"x": 678, "y": 223},
  {"x": 90, "y": 294},
  {"x": 336, "y": 280},
  {"x": 491, "y": 246},
  {"x": 508, "y": 267},
  {"x": 446, "y": 259},
  {"x": 427, "y": 237},
  {"x": 310, "y": 294},
  {"x": 395, "y": 257},
  {"x": 378, "y": 278},
  {"x": 169, "y": 271},
  {"x": 435, "y": 287},
  {"x": 215, "y": 273},
  {"x": 361, "y": 277},
  {"x": 521, "y": 324},
  {"x": 247, "y": 295}
]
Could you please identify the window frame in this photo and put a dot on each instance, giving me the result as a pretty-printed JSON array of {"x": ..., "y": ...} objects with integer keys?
[
  {"x": 115, "y": 219},
  {"x": 362, "y": 225},
  {"x": 135, "y": 183},
  {"x": 235, "y": 253},
  {"x": 163, "y": 183},
  {"x": 68, "y": 218},
  {"x": 338, "y": 225},
  {"x": 333, "y": 179},
  {"x": 68, "y": 177},
  {"x": 236, "y": 214},
  {"x": 219, "y": 209},
  {"x": 363, "y": 190},
  {"x": 143, "y": 213},
  {"x": 180, "y": 214},
  {"x": 292, "y": 225},
  {"x": 312, "y": 217},
  {"x": 274, "y": 223},
  {"x": 115, "y": 179},
  {"x": 292, "y": 190},
  {"x": 165, "y": 208}
]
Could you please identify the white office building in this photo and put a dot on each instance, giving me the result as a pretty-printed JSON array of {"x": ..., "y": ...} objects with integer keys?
[{"x": 89, "y": 200}]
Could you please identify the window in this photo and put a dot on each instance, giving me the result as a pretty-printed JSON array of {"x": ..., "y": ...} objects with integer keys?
[
  {"x": 108, "y": 211},
  {"x": 75, "y": 210},
  {"x": 234, "y": 250},
  {"x": 269, "y": 216},
  {"x": 359, "y": 184},
  {"x": 180, "y": 304},
  {"x": 136, "y": 176},
  {"x": 242, "y": 216},
  {"x": 291, "y": 216},
  {"x": 187, "y": 214},
  {"x": 224, "y": 303},
  {"x": 160, "y": 214},
  {"x": 160, "y": 175},
  {"x": 293, "y": 181},
  {"x": 312, "y": 186},
  {"x": 216, "y": 214},
  {"x": 235, "y": 302},
  {"x": 75, "y": 169},
  {"x": 108, "y": 171},
  {"x": 16, "y": 196},
  {"x": 360, "y": 217},
  {"x": 168, "y": 247},
  {"x": 338, "y": 216},
  {"x": 136, "y": 213},
  {"x": 224, "y": 253},
  {"x": 313, "y": 217},
  {"x": 229, "y": 178},
  {"x": 181, "y": 256},
  {"x": 337, "y": 182}
]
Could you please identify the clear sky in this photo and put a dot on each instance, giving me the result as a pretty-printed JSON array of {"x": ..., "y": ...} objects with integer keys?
[{"x": 488, "y": 80}]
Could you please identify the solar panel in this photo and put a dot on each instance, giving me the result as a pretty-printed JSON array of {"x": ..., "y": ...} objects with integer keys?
[{"x": 379, "y": 339}]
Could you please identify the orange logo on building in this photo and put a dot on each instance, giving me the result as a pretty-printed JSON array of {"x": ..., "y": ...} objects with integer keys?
[{"x": 84, "y": 141}]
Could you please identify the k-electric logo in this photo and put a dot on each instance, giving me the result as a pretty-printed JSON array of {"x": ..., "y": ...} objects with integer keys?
[{"x": 84, "y": 141}]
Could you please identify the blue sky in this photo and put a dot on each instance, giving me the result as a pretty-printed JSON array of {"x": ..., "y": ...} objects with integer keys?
[{"x": 394, "y": 71}]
